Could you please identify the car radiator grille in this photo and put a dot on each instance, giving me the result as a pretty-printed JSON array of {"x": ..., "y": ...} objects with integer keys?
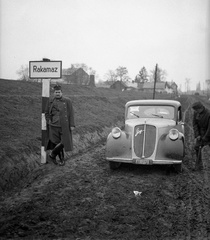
[{"x": 144, "y": 140}]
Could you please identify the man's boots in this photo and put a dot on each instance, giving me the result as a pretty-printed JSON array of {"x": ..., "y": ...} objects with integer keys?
[
  {"x": 61, "y": 157},
  {"x": 198, "y": 163},
  {"x": 51, "y": 155},
  {"x": 56, "y": 151}
]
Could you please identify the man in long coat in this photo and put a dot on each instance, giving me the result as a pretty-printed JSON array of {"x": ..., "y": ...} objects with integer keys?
[
  {"x": 201, "y": 127},
  {"x": 59, "y": 116}
]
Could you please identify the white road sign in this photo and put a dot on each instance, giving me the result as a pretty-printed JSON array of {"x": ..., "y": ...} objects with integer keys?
[{"x": 42, "y": 69}]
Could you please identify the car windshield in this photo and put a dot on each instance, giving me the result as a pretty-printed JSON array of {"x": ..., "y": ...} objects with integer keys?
[{"x": 166, "y": 112}]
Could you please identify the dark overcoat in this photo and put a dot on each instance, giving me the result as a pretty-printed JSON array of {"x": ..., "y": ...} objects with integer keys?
[
  {"x": 201, "y": 125},
  {"x": 66, "y": 119}
]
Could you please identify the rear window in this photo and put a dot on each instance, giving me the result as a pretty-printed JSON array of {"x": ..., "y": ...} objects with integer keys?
[{"x": 166, "y": 112}]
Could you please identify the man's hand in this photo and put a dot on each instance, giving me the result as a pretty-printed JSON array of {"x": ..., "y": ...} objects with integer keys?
[
  {"x": 72, "y": 128},
  {"x": 198, "y": 138}
]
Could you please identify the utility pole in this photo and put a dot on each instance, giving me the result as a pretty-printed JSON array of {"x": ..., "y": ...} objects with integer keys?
[{"x": 155, "y": 80}]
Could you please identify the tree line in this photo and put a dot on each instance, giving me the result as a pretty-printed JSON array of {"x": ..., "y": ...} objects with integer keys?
[{"x": 119, "y": 74}]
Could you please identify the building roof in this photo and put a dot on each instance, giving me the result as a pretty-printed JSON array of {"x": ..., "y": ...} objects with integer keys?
[
  {"x": 159, "y": 85},
  {"x": 73, "y": 70},
  {"x": 119, "y": 82},
  {"x": 131, "y": 84},
  {"x": 172, "y": 84}
]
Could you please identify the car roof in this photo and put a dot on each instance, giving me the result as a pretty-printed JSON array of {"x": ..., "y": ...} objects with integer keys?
[{"x": 153, "y": 102}]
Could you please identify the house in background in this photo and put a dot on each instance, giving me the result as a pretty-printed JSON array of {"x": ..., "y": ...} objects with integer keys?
[
  {"x": 174, "y": 87},
  {"x": 161, "y": 87},
  {"x": 131, "y": 85},
  {"x": 124, "y": 86},
  {"x": 119, "y": 86},
  {"x": 77, "y": 76}
]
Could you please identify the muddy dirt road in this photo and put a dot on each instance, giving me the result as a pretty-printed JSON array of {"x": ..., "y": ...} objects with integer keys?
[{"x": 86, "y": 200}]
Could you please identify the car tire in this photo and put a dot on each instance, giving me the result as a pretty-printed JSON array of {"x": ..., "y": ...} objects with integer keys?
[
  {"x": 178, "y": 167},
  {"x": 114, "y": 165}
]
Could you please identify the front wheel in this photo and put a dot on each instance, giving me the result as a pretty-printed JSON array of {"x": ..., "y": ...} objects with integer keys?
[{"x": 114, "y": 165}]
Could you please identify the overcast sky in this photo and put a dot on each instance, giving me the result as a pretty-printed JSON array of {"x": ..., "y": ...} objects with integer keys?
[{"x": 105, "y": 34}]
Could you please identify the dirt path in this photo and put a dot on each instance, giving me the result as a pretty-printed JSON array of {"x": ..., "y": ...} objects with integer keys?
[{"x": 86, "y": 200}]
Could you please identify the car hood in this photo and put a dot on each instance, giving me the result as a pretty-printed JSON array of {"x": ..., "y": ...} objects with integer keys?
[{"x": 158, "y": 122}]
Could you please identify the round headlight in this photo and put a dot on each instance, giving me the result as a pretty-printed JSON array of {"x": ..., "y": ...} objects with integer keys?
[
  {"x": 116, "y": 132},
  {"x": 173, "y": 134}
]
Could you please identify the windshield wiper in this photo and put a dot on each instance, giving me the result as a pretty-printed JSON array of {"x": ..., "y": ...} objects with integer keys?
[
  {"x": 156, "y": 115},
  {"x": 135, "y": 114}
]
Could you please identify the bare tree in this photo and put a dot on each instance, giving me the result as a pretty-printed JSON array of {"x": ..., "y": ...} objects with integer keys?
[
  {"x": 198, "y": 87},
  {"x": 208, "y": 87},
  {"x": 91, "y": 71},
  {"x": 70, "y": 70},
  {"x": 187, "y": 84},
  {"x": 81, "y": 65},
  {"x": 160, "y": 75},
  {"x": 122, "y": 73},
  {"x": 23, "y": 73},
  {"x": 75, "y": 66},
  {"x": 111, "y": 76},
  {"x": 142, "y": 76}
]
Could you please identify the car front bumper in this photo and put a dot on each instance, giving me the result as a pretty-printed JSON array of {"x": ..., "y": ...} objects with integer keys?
[{"x": 145, "y": 161}]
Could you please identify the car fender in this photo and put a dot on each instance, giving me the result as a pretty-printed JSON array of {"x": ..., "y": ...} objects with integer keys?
[
  {"x": 120, "y": 147},
  {"x": 170, "y": 149}
]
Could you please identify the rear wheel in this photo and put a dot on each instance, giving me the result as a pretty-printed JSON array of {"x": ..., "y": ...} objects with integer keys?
[
  {"x": 178, "y": 167},
  {"x": 114, "y": 165}
]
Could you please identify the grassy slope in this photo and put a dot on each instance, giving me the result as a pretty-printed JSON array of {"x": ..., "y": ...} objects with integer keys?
[
  {"x": 20, "y": 111},
  {"x": 20, "y": 117}
]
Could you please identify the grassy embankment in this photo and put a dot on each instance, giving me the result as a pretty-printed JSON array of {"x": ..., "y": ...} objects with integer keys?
[{"x": 96, "y": 111}]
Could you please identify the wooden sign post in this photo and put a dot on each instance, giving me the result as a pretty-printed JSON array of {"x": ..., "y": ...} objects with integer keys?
[{"x": 45, "y": 99}]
